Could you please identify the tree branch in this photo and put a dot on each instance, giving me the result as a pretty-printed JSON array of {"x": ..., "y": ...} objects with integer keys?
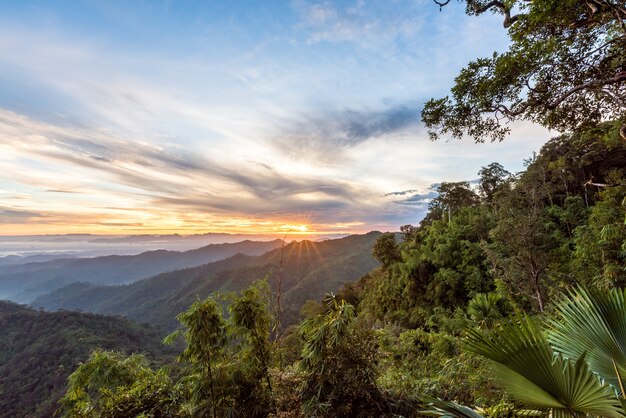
[
  {"x": 441, "y": 4},
  {"x": 508, "y": 19},
  {"x": 618, "y": 78}
]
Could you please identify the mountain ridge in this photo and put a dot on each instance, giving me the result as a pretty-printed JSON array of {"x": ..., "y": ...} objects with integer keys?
[
  {"x": 23, "y": 283},
  {"x": 310, "y": 269}
]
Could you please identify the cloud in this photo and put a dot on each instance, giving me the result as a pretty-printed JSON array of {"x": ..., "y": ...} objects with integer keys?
[
  {"x": 323, "y": 135},
  {"x": 10, "y": 215},
  {"x": 418, "y": 199},
  {"x": 169, "y": 180},
  {"x": 401, "y": 193},
  {"x": 367, "y": 26}
]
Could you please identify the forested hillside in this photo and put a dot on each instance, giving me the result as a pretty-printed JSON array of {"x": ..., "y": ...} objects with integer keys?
[
  {"x": 454, "y": 313},
  {"x": 38, "y": 351},
  {"x": 309, "y": 270},
  {"x": 23, "y": 283}
]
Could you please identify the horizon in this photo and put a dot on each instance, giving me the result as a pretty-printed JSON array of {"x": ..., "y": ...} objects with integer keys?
[{"x": 160, "y": 118}]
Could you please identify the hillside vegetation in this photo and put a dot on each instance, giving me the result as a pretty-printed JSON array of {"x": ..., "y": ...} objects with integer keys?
[{"x": 38, "y": 351}]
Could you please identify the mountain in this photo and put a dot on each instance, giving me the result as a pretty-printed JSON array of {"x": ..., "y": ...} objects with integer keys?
[
  {"x": 309, "y": 270},
  {"x": 39, "y": 350},
  {"x": 24, "y": 282},
  {"x": 11, "y": 260}
]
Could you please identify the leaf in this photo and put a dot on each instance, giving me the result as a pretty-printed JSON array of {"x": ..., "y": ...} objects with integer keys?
[
  {"x": 592, "y": 322},
  {"x": 537, "y": 377},
  {"x": 440, "y": 408}
]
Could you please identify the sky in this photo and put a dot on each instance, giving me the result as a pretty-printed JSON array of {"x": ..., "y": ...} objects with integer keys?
[{"x": 142, "y": 117}]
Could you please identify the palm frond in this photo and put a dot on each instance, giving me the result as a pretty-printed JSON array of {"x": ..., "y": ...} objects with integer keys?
[
  {"x": 446, "y": 409},
  {"x": 592, "y": 322},
  {"x": 537, "y": 377}
]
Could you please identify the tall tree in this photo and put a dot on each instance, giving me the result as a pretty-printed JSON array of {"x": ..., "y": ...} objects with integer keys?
[
  {"x": 205, "y": 333},
  {"x": 451, "y": 197},
  {"x": 523, "y": 245},
  {"x": 492, "y": 178},
  {"x": 251, "y": 320}
]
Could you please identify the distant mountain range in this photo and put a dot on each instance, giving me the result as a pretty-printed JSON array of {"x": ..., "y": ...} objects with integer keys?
[
  {"x": 309, "y": 270},
  {"x": 25, "y": 282},
  {"x": 17, "y": 249},
  {"x": 38, "y": 351}
]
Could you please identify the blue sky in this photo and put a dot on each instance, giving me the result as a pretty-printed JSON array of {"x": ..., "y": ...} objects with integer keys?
[{"x": 198, "y": 116}]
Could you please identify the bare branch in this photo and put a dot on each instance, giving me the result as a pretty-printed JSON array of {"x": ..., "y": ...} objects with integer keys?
[{"x": 441, "y": 4}]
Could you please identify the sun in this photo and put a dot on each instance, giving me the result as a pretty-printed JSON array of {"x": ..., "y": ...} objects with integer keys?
[{"x": 296, "y": 228}]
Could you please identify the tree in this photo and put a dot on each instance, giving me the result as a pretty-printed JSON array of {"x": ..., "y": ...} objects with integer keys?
[
  {"x": 565, "y": 371},
  {"x": 205, "y": 333},
  {"x": 487, "y": 308},
  {"x": 110, "y": 385},
  {"x": 386, "y": 250},
  {"x": 451, "y": 197},
  {"x": 600, "y": 256},
  {"x": 523, "y": 246},
  {"x": 339, "y": 378},
  {"x": 252, "y": 321},
  {"x": 492, "y": 178},
  {"x": 574, "y": 367},
  {"x": 565, "y": 69}
]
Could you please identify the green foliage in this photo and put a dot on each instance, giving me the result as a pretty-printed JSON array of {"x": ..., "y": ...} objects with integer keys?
[
  {"x": 112, "y": 385},
  {"x": 251, "y": 320},
  {"x": 487, "y": 309},
  {"x": 600, "y": 256},
  {"x": 450, "y": 198},
  {"x": 444, "y": 266},
  {"x": 337, "y": 363},
  {"x": 205, "y": 335},
  {"x": 533, "y": 374},
  {"x": 39, "y": 350},
  {"x": 592, "y": 324},
  {"x": 417, "y": 362},
  {"x": 386, "y": 250}
]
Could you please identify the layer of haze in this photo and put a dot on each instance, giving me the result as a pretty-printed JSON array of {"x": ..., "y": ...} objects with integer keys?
[{"x": 148, "y": 117}]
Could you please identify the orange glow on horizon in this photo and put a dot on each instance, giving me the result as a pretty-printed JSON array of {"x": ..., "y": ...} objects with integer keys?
[{"x": 165, "y": 225}]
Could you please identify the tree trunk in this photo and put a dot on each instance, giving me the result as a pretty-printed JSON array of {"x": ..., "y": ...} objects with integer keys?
[
  {"x": 213, "y": 400},
  {"x": 622, "y": 131},
  {"x": 539, "y": 300}
]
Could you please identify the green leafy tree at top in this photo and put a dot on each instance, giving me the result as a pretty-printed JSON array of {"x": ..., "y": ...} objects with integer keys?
[
  {"x": 492, "y": 178},
  {"x": 565, "y": 69}
]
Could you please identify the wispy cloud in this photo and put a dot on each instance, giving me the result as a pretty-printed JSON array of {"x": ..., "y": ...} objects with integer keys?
[
  {"x": 327, "y": 21},
  {"x": 174, "y": 182},
  {"x": 232, "y": 118},
  {"x": 323, "y": 135}
]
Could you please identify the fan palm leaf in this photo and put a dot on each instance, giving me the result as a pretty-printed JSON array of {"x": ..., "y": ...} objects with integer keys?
[
  {"x": 537, "y": 377},
  {"x": 592, "y": 322}
]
